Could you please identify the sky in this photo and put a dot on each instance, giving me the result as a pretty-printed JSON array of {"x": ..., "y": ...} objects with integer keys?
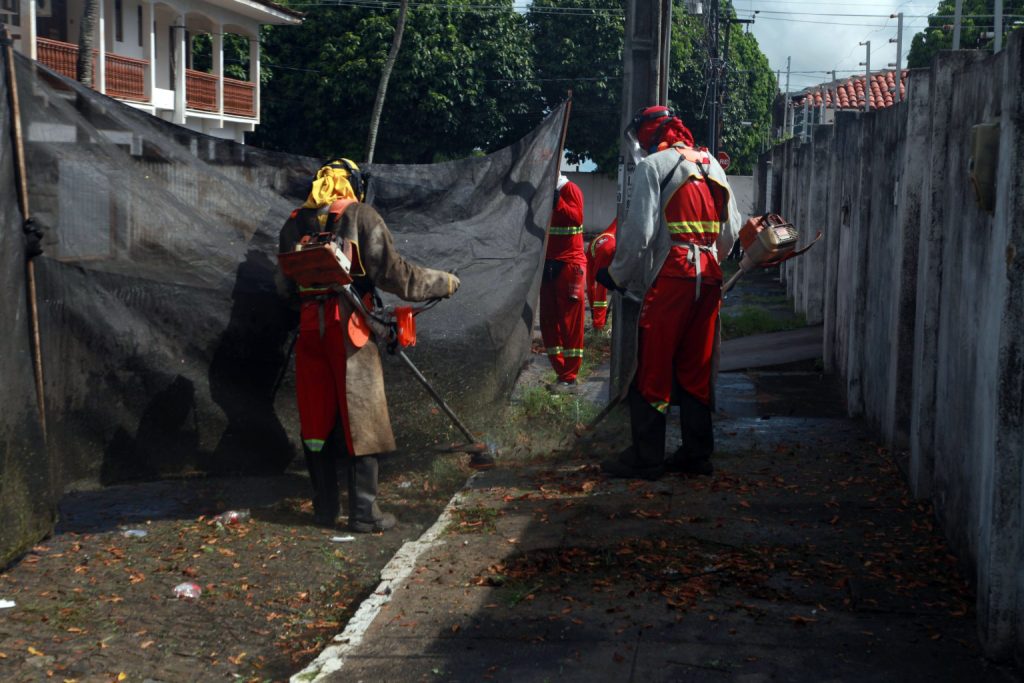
[{"x": 818, "y": 39}]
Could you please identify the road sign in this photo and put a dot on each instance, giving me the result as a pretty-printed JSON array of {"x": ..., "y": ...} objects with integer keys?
[{"x": 723, "y": 159}]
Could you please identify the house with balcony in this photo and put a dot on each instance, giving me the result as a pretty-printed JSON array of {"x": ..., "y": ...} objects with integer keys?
[{"x": 144, "y": 54}]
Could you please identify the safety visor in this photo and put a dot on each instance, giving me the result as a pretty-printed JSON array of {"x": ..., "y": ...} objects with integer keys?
[{"x": 640, "y": 118}]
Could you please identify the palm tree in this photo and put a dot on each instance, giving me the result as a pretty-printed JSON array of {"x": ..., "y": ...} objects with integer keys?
[
  {"x": 86, "y": 40},
  {"x": 382, "y": 87}
]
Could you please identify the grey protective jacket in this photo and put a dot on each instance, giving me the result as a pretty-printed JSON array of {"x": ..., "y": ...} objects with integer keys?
[
  {"x": 369, "y": 422},
  {"x": 643, "y": 243}
]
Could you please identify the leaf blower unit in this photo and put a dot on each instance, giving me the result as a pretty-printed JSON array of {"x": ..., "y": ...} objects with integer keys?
[
  {"x": 767, "y": 240},
  {"x": 318, "y": 261}
]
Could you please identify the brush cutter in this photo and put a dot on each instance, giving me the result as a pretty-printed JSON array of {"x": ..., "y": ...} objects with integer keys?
[
  {"x": 397, "y": 326},
  {"x": 767, "y": 240}
]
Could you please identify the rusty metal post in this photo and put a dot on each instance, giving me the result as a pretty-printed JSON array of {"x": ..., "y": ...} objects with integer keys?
[{"x": 30, "y": 272}]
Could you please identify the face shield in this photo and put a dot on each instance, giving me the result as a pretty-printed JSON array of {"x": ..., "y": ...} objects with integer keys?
[{"x": 632, "y": 132}]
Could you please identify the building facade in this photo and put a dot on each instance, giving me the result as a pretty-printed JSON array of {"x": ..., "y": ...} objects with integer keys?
[{"x": 144, "y": 54}]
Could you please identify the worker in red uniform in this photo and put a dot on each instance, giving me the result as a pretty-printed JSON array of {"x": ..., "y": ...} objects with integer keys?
[
  {"x": 682, "y": 216},
  {"x": 339, "y": 379},
  {"x": 562, "y": 289},
  {"x": 599, "y": 255}
]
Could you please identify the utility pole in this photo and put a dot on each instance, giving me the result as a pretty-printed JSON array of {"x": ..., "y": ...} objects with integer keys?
[
  {"x": 725, "y": 70},
  {"x": 958, "y": 17},
  {"x": 899, "y": 54},
  {"x": 713, "y": 108},
  {"x": 998, "y": 44},
  {"x": 666, "y": 51},
  {"x": 643, "y": 82},
  {"x": 787, "y": 128},
  {"x": 867, "y": 76}
]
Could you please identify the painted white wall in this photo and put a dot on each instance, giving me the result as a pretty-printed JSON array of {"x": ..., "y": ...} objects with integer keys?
[{"x": 215, "y": 17}]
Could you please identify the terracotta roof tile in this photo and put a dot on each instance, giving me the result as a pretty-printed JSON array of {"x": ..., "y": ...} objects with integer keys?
[{"x": 851, "y": 92}]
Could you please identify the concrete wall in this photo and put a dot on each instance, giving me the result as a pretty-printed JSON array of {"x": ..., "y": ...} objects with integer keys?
[
  {"x": 599, "y": 193},
  {"x": 922, "y": 297}
]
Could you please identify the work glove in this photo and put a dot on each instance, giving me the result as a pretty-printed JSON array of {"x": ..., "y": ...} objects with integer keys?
[
  {"x": 606, "y": 281},
  {"x": 453, "y": 284},
  {"x": 33, "y": 230}
]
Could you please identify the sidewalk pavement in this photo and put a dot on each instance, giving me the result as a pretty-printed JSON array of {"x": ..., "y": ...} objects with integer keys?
[{"x": 804, "y": 558}]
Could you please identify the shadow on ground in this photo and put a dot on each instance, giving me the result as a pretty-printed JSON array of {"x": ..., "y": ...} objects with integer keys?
[{"x": 803, "y": 559}]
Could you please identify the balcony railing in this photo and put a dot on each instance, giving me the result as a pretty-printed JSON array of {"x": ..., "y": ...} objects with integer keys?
[
  {"x": 126, "y": 77},
  {"x": 239, "y": 98},
  {"x": 200, "y": 90},
  {"x": 61, "y": 57}
]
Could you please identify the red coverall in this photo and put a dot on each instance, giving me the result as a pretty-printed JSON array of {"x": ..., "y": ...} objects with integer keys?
[
  {"x": 677, "y": 330},
  {"x": 562, "y": 305},
  {"x": 677, "y": 322},
  {"x": 599, "y": 255}
]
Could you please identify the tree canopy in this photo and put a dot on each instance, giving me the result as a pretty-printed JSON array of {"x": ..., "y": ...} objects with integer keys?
[
  {"x": 476, "y": 77},
  {"x": 463, "y": 81},
  {"x": 584, "y": 51},
  {"x": 977, "y": 25}
]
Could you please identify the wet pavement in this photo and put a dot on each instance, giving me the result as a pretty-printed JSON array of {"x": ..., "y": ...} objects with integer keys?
[{"x": 804, "y": 558}]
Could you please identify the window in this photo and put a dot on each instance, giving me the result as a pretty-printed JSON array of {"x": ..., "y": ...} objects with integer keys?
[
  {"x": 138, "y": 13},
  {"x": 11, "y": 12},
  {"x": 119, "y": 21}
]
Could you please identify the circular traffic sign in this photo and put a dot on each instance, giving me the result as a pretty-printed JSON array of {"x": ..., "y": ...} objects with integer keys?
[{"x": 723, "y": 159}]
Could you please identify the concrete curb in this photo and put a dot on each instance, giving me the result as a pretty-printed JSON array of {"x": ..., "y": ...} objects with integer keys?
[{"x": 398, "y": 568}]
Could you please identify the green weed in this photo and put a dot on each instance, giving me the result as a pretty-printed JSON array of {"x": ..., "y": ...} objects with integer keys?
[{"x": 743, "y": 321}]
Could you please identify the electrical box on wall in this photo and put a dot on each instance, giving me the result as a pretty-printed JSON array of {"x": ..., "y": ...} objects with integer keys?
[{"x": 983, "y": 164}]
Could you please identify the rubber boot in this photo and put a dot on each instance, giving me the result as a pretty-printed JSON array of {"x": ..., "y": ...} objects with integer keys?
[
  {"x": 694, "y": 456},
  {"x": 364, "y": 515},
  {"x": 324, "y": 477},
  {"x": 645, "y": 458}
]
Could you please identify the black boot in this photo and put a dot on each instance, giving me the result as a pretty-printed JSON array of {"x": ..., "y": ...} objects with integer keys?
[
  {"x": 324, "y": 477},
  {"x": 694, "y": 456},
  {"x": 645, "y": 459},
  {"x": 364, "y": 515}
]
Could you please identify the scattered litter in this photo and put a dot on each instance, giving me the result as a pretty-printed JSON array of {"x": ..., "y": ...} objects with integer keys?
[
  {"x": 232, "y": 517},
  {"x": 135, "y": 533},
  {"x": 343, "y": 539},
  {"x": 187, "y": 591},
  {"x": 405, "y": 485},
  {"x": 6, "y": 604}
]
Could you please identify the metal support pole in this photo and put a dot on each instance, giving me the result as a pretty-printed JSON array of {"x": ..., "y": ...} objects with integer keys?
[
  {"x": 787, "y": 128},
  {"x": 835, "y": 95},
  {"x": 958, "y": 17},
  {"x": 899, "y": 54},
  {"x": 666, "y": 52},
  {"x": 997, "y": 45},
  {"x": 805, "y": 127},
  {"x": 867, "y": 75}
]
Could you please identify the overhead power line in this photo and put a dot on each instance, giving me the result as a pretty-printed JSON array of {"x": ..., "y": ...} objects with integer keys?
[{"x": 390, "y": 4}]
